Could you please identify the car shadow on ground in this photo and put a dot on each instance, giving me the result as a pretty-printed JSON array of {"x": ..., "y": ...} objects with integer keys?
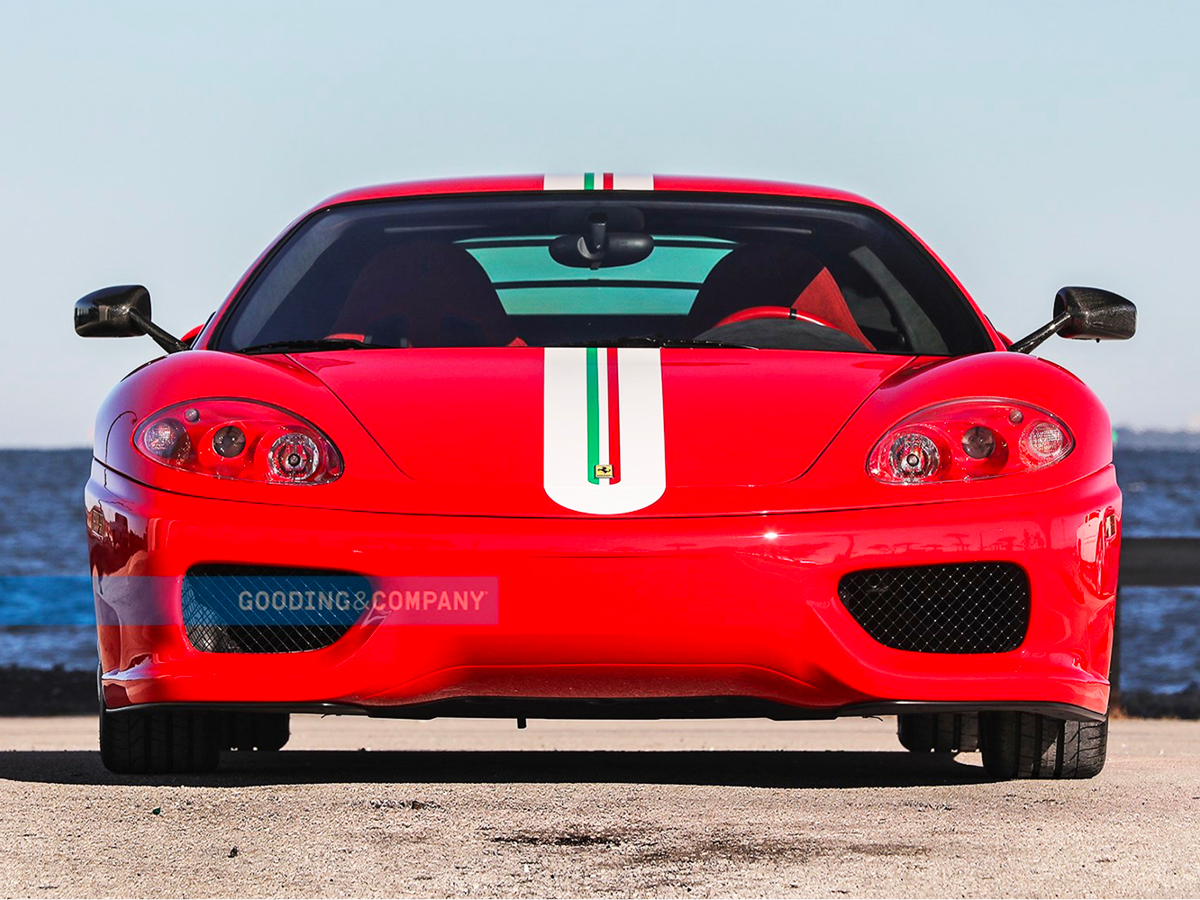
[{"x": 717, "y": 768}]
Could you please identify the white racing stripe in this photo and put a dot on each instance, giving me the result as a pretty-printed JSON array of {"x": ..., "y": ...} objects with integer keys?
[
  {"x": 643, "y": 476},
  {"x": 633, "y": 182},
  {"x": 562, "y": 182}
]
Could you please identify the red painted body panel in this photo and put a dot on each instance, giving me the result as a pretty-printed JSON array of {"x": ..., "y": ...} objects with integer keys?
[
  {"x": 623, "y": 607},
  {"x": 725, "y": 586},
  {"x": 709, "y": 426}
]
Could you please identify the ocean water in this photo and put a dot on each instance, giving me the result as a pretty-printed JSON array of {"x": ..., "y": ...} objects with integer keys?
[
  {"x": 46, "y": 613},
  {"x": 1162, "y": 491},
  {"x": 1160, "y": 626}
]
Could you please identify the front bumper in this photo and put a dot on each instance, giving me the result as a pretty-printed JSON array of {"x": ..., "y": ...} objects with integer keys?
[{"x": 743, "y": 608}]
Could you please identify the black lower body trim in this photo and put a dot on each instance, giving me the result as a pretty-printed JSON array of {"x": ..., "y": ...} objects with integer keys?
[{"x": 648, "y": 708}]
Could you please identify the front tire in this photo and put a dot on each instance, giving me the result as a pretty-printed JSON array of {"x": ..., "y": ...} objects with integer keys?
[
  {"x": 938, "y": 732},
  {"x": 1027, "y": 745},
  {"x": 151, "y": 741},
  {"x": 264, "y": 732}
]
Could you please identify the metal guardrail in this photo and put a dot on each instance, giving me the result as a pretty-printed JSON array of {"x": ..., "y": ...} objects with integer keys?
[{"x": 1152, "y": 562}]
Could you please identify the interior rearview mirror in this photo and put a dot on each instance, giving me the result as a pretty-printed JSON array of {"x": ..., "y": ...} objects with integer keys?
[{"x": 600, "y": 246}]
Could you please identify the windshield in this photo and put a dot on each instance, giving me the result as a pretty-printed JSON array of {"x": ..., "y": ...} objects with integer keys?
[{"x": 568, "y": 269}]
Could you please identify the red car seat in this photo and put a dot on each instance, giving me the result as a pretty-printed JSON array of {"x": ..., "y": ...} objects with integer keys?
[
  {"x": 770, "y": 274},
  {"x": 430, "y": 293}
]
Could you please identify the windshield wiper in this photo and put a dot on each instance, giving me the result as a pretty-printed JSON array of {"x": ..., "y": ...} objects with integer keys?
[
  {"x": 301, "y": 346},
  {"x": 657, "y": 340}
]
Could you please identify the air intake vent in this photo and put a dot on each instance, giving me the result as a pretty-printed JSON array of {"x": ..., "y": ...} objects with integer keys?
[
  {"x": 262, "y": 609},
  {"x": 962, "y": 608}
]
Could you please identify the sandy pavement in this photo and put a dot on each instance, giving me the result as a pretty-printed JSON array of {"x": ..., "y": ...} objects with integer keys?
[{"x": 679, "y": 809}]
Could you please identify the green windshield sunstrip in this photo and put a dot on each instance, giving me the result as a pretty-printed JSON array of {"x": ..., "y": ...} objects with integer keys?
[
  {"x": 559, "y": 301},
  {"x": 593, "y": 283},
  {"x": 532, "y": 262}
]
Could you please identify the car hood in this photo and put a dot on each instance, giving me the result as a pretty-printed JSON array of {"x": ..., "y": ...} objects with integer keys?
[{"x": 706, "y": 418}]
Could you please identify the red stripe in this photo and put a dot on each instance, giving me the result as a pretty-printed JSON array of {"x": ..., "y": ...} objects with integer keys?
[
  {"x": 608, "y": 181},
  {"x": 614, "y": 414}
]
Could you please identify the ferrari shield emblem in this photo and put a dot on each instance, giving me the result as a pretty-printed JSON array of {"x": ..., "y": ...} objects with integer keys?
[{"x": 603, "y": 428}]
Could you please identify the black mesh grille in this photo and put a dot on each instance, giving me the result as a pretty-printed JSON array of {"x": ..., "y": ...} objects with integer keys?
[
  {"x": 313, "y": 613},
  {"x": 963, "y": 608}
]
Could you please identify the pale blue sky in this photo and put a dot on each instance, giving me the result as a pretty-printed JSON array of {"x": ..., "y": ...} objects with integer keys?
[{"x": 1032, "y": 144}]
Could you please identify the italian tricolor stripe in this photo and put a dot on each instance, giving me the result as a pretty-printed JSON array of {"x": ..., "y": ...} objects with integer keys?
[
  {"x": 598, "y": 181},
  {"x": 594, "y": 406},
  {"x": 609, "y": 373},
  {"x": 604, "y": 416}
]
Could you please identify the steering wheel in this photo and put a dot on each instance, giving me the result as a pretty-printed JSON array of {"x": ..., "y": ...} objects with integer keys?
[{"x": 773, "y": 312}]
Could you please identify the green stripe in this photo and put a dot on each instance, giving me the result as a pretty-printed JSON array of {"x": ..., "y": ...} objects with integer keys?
[
  {"x": 593, "y": 418},
  {"x": 589, "y": 181}
]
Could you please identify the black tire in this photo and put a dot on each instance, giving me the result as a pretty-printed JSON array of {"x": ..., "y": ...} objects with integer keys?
[
  {"x": 1026, "y": 745},
  {"x": 255, "y": 731},
  {"x": 938, "y": 732},
  {"x": 150, "y": 741}
]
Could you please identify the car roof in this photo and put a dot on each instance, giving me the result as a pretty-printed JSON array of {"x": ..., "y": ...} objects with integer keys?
[{"x": 598, "y": 181}]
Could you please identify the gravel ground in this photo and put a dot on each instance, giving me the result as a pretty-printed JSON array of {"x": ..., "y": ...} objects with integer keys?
[{"x": 673, "y": 809}]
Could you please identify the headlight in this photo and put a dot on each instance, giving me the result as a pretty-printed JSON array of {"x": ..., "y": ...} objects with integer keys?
[
  {"x": 240, "y": 439},
  {"x": 965, "y": 440}
]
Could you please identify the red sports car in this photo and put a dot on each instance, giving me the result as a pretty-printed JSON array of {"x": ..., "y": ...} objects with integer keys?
[{"x": 603, "y": 446}]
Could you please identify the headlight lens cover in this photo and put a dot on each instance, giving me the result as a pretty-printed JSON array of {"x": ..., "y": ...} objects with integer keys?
[
  {"x": 967, "y": 440},
  {"x": 239, "y": 439}
]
